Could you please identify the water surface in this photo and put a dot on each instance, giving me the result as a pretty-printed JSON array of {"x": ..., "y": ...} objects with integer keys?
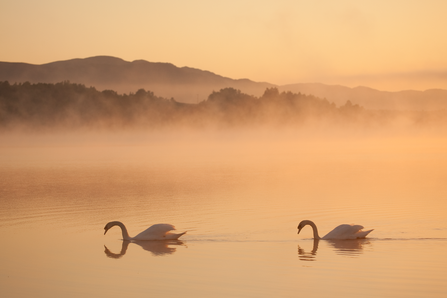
[{"x": 240, "y": 197}]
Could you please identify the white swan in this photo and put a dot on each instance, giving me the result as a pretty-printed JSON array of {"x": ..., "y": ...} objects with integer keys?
[
  {"x": 154, "y": 232},
  {"x": 341, "y": 232}
]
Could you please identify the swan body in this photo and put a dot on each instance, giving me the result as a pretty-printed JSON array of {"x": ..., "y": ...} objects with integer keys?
[
  {"x": 154, "y": 232},
  {"x": 341, "y": 232}
]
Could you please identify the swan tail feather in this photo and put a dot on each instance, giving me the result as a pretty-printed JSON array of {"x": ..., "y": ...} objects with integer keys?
[
  {"x": 172, "y": 236},
  {"x": 363, "y": 234}
]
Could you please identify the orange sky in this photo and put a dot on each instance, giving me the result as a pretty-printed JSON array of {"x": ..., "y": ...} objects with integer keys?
[{"x": 388, "y": 45}]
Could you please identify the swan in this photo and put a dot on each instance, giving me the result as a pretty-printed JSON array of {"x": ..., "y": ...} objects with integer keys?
[
  {"x": 344, "y": 231},
  {"x": 154, "y": 232}
]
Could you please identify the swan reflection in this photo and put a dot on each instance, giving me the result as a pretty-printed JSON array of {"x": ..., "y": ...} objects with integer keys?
[
  {"x": 157, "y": 248},
  {"x": 351, "y": 248},
  {"x": 308, "y": 256}
]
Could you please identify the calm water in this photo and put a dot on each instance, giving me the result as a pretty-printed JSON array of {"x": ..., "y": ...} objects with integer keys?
[{"x": 240, "y": 197}]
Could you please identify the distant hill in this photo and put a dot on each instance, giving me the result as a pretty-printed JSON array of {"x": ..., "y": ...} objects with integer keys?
[
  {"x": 103, "y": 72},
  {"x": 432, "y": 99},
  {"x": 192, "y": 85}
]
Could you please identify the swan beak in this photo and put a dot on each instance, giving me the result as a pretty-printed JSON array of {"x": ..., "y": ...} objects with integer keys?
[
  {"x": 299, "y": 230},
  {"x": 105, "y": 231}
]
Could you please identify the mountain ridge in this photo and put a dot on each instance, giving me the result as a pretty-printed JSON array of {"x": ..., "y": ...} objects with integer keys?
[
  {"x": 185, "y": 84},
  {"x": 191, "y": 85}
]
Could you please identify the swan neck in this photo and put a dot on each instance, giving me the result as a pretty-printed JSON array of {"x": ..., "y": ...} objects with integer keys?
[
  {"x": 124, "y": 231},
  {"x": 315, "y": 230}
]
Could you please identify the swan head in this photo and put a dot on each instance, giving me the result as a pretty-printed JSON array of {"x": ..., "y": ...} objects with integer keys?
[
  {"x": 302, "y": 224},
  {"x": 108, "y": 226}
]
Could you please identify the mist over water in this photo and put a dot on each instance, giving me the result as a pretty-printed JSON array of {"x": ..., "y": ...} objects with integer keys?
[{"x": 239, "y": 192}]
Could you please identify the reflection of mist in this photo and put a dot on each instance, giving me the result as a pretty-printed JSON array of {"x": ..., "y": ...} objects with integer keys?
[
  {"x": 157, "y": 248},
  {"x": 352, "y": 247}
]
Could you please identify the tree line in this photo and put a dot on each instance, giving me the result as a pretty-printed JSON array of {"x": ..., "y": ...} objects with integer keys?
[{"x": 68, "y": 105}]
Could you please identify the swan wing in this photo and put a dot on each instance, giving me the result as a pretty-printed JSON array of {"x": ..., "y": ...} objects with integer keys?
[
  {"x": 345, "y": 231},
  {"x": 155, "y": 232}
]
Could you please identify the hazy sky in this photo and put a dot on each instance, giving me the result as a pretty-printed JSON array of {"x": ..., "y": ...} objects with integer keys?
[{"x": 392, "y": 44}]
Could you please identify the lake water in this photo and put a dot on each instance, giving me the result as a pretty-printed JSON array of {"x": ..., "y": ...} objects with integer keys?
[{"x": 240, "y": 196}]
